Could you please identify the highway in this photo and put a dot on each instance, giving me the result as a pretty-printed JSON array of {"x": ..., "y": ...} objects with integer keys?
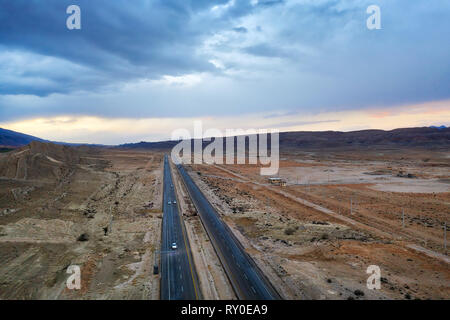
[
  {"x": 247, "y": 280},
  {"x": 178, "y": 278}
]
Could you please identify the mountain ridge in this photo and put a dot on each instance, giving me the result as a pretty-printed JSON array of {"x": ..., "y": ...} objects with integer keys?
[
  {"x": 10, "y": 138},
  {"x": 402, "y": 137}
]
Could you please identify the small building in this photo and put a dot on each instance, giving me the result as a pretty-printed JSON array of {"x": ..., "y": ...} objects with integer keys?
[{"x": 277, "y": 181}]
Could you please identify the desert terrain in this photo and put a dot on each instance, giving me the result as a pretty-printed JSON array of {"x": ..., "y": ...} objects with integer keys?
[
  {"x": 339, "y": 213},
  {"x": 63, "y": 206}
]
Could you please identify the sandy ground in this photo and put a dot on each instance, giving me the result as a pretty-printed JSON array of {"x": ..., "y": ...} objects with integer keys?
[
  {"x": 114, "y": 198},
  {"x": 319, "y": 234}
]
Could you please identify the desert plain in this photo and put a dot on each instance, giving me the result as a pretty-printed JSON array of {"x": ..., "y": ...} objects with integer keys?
[{"x": 341, "y": 211}]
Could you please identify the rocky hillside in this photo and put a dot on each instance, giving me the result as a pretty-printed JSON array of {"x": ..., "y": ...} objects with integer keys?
[{"x": 38, "y": 160}]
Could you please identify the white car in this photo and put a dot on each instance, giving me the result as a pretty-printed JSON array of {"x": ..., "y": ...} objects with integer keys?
[
  {"x": 169, "y": 202},
  {"x": 174, "y": 201},
  {"x": 174, "y": 246}
]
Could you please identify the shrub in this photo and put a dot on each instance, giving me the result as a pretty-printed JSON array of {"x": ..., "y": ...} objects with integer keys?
[{"x": 289, "y": 231}]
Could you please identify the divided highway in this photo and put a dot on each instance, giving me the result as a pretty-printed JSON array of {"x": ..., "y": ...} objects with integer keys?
[
  {"x": 247, "y": 280},
  {"x": 178, "y": 278}
]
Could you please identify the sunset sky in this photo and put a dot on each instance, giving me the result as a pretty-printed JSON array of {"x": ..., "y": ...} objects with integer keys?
[{"x": 137, "y": 70}]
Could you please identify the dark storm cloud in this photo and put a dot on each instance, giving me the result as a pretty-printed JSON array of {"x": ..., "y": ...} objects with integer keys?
[
  {"x": 255, "y": 56},
  {"x": 286, "y": 124},
  {"x": 268, "y": 3},
  {"x": 118, "y": 40},
  {"x": 240, "y": 29},
  {"x": 266, "y": 50}
]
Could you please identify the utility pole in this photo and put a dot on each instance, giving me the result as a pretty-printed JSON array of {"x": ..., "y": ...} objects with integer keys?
[
  {"x": 403, "y": 217},
  {"x": 110, "y": 220},
  {"x": 445, "y": 237},
  {"x": 155, "y": 264}
]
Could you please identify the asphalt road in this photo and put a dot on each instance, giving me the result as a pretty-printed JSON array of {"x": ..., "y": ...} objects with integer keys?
[
  {"x": 178, "y": 278},
  {"x": 247, "y": 280}
]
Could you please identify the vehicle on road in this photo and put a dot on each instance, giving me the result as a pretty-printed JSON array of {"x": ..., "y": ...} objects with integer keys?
[
  {"x": 169, "y": 202},
  {"x": 174, "y": 246},
  {"x": 174, "y": 202}
]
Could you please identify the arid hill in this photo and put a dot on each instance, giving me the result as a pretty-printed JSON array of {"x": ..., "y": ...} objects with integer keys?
[
  {"x": 406, "y": 137},
  {"x": 425, "y": 137},
  {"x": 39, "y": 160}
]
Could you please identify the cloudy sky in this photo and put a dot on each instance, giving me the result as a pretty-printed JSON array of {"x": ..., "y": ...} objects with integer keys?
[{"x": 139, "y": 69}]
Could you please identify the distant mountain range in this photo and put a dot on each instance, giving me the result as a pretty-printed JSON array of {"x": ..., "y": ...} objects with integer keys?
[
  {"x": 12, "y": 139},
  {"x": 9, "y": 138},
  {"x": 407, "y": 137},
  {"x": 440, "y": 127}
]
